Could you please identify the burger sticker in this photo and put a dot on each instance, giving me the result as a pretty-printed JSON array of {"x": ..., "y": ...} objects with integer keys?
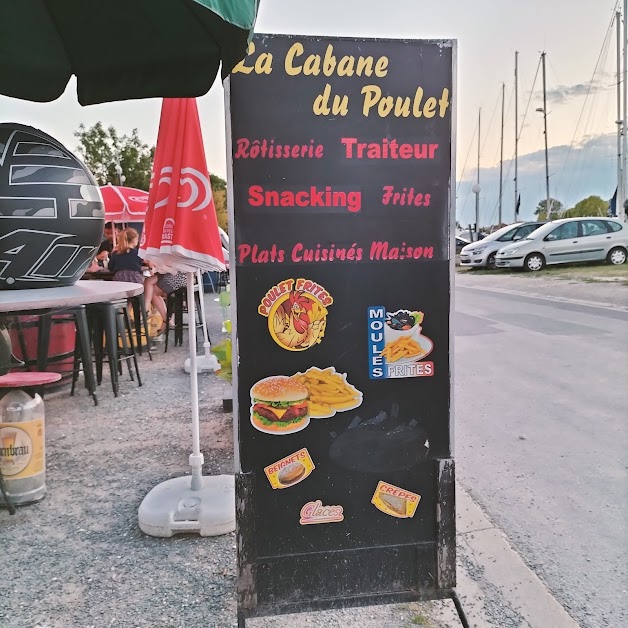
[
  {"x": 296, "y": 310},
  {"x": 284, "y": 405},
  {"x": 279, "y": 405}
]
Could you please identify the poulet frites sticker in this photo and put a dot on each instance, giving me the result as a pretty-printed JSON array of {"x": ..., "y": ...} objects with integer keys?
[
  {"x": 290, "y": 470},
  {"x": 395, "y": 501},
  {"x": 296, "y": 310},
  {"x": 397, "y": 347},
  {"x": 284, "y": 405}
]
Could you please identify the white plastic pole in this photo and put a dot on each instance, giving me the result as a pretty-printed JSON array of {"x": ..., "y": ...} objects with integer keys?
[
  {"x": 196, "y": 457},
  {"x": 199, "y": 280}
]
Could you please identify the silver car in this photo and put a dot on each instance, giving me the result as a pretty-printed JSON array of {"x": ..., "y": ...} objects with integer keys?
[
  {"x": 568, "y": 240},
  {"x": 482, "y": 254}
]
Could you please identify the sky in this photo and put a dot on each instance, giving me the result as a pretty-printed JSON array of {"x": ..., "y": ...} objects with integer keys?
[{"x": 581, "y": 128}]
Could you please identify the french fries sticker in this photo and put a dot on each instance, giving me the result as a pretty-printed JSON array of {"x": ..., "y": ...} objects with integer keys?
[
  {"x": 296, "y": 310},
  {"x": 397, "y": 345},
  {"x": 403, "y": 347},
  {"x": 395, "y": 501},
  {"x": 290, "y": 470},
  {"x": 329, "y": 392}
]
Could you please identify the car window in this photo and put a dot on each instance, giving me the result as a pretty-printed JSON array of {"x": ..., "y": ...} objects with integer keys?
[
  {"x": 564, "y": 232},
  {"x": 524, "y": 231},
  {"x": 508, "y": 236},
  {"x": 613, "y": 226},
  {"x": 593, "y": 227}
]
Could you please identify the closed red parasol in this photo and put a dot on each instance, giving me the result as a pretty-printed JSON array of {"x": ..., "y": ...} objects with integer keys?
[
  {"x": 124, "y": 204},
  {"x": 181, "y": 229}
]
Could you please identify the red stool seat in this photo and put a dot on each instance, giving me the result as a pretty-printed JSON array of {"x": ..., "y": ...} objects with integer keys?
[{"x": 24, "y": 380}]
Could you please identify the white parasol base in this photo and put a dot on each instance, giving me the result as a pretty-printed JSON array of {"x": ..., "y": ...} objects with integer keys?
[
  {"x": 204, "y": 364},
  {"x": 172, "y": 507}
]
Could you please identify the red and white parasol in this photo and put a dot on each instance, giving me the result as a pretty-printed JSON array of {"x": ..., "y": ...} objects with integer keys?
[
  {"x": 181, "y": 229},
  {"x": 124, "y": 204},
  {"x": 181, "y": 235}
]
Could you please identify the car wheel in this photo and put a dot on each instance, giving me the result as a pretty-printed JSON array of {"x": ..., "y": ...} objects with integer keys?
[
  {"x": 490, "y": 262},
  {"x": 534, "y": 262},
  {"x": 617, "y": 256}
]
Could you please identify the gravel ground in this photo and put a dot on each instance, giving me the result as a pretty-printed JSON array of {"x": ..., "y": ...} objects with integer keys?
[{"x": 83, "y": 562}]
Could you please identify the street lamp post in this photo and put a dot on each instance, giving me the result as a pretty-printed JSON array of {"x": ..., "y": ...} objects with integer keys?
[{"x": 121, "y": 177}]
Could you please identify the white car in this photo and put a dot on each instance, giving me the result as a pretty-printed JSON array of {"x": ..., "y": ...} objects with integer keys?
[
  {"x": 568, "y": 240},
  {"x": 482, "y": 254}
]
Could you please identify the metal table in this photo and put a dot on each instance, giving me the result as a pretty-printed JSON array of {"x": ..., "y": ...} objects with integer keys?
[{"x": 81, "y": 293}]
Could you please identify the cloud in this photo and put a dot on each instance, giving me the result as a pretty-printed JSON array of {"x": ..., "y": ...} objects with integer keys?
[
  {"x": 585, "y": 169},
  {"x": 563, "y": 93}
]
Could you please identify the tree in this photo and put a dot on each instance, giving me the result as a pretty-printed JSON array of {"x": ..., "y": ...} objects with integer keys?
[
  {"x": 590, "y": 206},
  {"x": 220, "y": 202},
  {"x": 102, "y": 149},
  {"x": 541, "y": 209}
]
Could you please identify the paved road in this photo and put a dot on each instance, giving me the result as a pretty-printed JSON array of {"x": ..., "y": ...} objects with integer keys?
[{"x": 541, "y": 438}]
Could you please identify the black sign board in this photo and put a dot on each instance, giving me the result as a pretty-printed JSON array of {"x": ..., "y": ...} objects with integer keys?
[{"x": 340, "y": 193}]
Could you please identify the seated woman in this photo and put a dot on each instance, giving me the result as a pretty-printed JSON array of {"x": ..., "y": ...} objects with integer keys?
[
  {"x": 125, "y": 263},
  {"x": 156, "y": 290}
]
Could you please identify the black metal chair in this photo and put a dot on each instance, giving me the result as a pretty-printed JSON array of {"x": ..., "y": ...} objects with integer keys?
[{"x": 111, "y": 327}]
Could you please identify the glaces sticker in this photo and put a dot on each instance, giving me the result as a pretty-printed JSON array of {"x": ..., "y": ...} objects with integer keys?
[
  {"x": 395, "y": 501},
  {"x": 315, "y": 512},
  {"x": 397, "y": 346},
  {"x": 290, "y": 470},
  {"x": 297, "y": 313}
]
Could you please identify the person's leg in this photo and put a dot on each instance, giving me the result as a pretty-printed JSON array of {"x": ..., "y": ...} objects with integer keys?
[
  {"x": 160, "y": 304},
  {"x": 149, "y": 289}
]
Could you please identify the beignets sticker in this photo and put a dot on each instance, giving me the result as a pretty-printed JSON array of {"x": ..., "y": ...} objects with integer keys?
[
  {"x": 290, "y": 470},
  {"x": 395, "y": 501}
]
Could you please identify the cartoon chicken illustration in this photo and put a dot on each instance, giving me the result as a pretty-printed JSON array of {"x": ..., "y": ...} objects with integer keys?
[{"x": 299, "y": 321}]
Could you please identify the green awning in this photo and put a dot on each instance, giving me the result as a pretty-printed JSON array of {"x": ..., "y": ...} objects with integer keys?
[{"x": 120, "y": 49}]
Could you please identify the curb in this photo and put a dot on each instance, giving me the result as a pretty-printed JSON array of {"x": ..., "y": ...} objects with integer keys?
[{"x": 495, "y": 586}]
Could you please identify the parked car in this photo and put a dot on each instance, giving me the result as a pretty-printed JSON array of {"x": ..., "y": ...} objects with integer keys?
[
  {"x": 482, "y": 254},
  {"x": 568, "y": 240},
  {"x": 460, "y": 243},
  {"x": 470, "y": 236}
]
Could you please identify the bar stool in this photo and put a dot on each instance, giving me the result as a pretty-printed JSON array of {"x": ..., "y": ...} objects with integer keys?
[
  {"x": 82, "y": 345},
  {"x": 176, "y": 304},
  {"x": 140, "y": 319},
  {"x": 111, "y": 323}
]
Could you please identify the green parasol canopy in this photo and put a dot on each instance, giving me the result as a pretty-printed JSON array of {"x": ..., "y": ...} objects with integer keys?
[{"x": 120, "y": 49}]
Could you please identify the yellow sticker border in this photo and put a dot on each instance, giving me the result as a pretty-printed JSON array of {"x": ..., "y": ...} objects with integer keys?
[
  {"x": 387, "y": 511},
  {"x": 309, "y": 467}
]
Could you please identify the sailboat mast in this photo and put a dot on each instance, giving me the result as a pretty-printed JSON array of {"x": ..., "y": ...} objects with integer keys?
[
  {"x": 516, "y": 127},
  {"x": 477, "y": 194},
  {"x": 619, "y": 198},
  {"x": 548, "y": 207},
  {"x": 621, "y": 211},
  {"x": 501, "y": 158}
]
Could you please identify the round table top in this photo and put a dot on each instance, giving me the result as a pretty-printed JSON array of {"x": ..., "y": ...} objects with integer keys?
[
  {"x": 81, "y": 293},
  {"x": 25, "y": 380}
]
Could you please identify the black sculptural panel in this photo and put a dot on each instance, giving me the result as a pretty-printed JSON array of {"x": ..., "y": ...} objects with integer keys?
[{"x": 51, "y": 211}]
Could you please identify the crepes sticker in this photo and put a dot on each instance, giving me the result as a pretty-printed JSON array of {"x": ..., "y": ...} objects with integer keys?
[
  {"x": 290, "y": 470},
  {"x": 315, "y": 512},
  {"x": 395, "y": 501},
  {"x": 296, "y": 310}
]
